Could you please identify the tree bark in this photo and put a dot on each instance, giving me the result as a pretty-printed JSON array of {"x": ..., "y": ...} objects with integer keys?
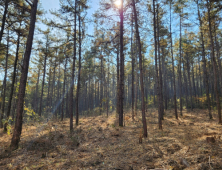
[
  {"x": 23, "y": 79},
  {"x": 101, "y": 85},
  {"x": 180, "y": 75},
  {"x": 160, "y": 70},
  {"x": 73, "y": 75},
  {"x": 156, "y": 67},
  {"x": 4, "y": 83},
  {"x": 185, "y": 82},
  {"x": 64, "y": 86},
  {"x": 118, "y": 90},
  {"x": 194, "y": 85},
  {"x": 4, "y": 19},
  {"x": 189, "y": 81},
  {"x": 43, "y": 79},
  {"x": 174, "y": 81},
  {"x": 13, "y": 82},
  {"x": 79, "y": 72},
  {"x": 214, "y": 63},
  {"x": 121, "y": 86},
  {"x": 141, "y": 71},
  {"x": 107, "y": 92},
  {"x": 133, "y": 61},
  {"x": 204, "y": 64}
]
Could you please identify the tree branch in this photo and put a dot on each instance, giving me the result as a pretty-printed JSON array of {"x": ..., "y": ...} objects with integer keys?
[{"x": 29, "y": 2}]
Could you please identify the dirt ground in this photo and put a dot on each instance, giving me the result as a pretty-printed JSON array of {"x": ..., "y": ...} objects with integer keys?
[{"x": 192, "y": 143}]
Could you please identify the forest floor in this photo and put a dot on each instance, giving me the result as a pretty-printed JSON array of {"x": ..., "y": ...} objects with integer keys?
[{"x": 99, "y": 143}]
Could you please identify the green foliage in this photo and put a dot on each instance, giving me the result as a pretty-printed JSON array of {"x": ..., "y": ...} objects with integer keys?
[
  {"x": 8, "y": 122},
  {"x": 30, "y": 115}
]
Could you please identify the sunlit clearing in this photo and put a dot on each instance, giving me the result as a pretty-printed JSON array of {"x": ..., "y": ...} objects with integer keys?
[{"x": 118, "y": 3}]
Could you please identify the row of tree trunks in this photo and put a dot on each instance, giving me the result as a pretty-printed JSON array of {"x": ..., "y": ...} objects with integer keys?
[
  {"x": 214, "y": 62},
  {"x": 13, "y": 82}
]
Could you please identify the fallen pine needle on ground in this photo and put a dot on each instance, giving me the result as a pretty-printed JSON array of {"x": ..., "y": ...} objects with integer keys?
[{"x": 193, "y": 143}]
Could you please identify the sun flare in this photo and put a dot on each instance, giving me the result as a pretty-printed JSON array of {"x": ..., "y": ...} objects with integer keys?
[{"x": 118, "y": 3}]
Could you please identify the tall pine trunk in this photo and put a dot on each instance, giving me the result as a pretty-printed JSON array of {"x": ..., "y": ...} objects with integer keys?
[
  {"x": 180, "y": 75},
  {"x": 156, "y": 68},
  {"x": 160, "y": 70},
  {"x": 189, "y": 81},
  {"x": 214, "y": 63},
  {"x": 79, "y": 72},
  {"x": 133, "y": 62},
  {"x": 23, "y": 80},
  {"x": 141, "y": 71},
  {"x": 118, "y": 90},
  {"x": 174, "y": 80},
  {"x": 204, "y": 64},
  {"x": 64, "y": 86},
  {"x": 73, "y": 74},
  {"x": 121, "y": 82}
]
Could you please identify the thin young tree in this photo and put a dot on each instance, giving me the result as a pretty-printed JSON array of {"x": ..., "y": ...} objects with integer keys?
[
  {"x": 121, "y": 81},
  {"x": 174, "y": 81}
]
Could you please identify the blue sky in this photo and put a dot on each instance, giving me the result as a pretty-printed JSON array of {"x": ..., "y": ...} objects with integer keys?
[{"x": 54, "y": 5}]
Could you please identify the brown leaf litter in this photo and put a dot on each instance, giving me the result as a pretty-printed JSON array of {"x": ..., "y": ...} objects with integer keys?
[{"x": 192, "y": 143}]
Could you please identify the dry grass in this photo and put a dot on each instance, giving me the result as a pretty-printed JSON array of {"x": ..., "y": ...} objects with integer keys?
[{"x": 98, "y": 143}]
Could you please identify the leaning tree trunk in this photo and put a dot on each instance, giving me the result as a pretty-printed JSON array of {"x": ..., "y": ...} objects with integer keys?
[
  {"x": 4, "y": 19},
  {"x": 141, "y": 71},
  {"x": 23, "y": 79}
]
